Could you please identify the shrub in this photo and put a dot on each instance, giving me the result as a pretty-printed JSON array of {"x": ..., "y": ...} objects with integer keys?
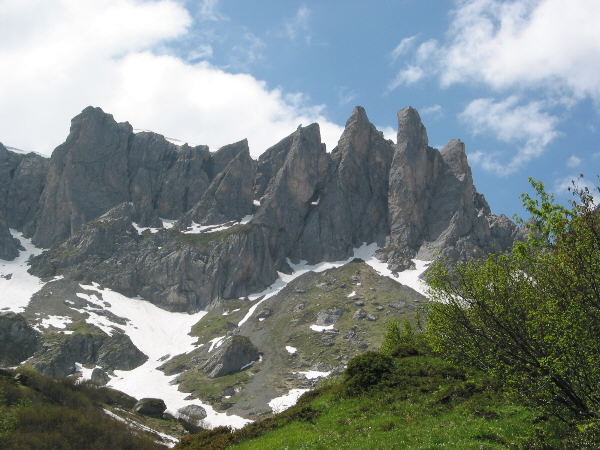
[
  {"x": 365, "y": 371},
  {"x": 531, "y": 318}
]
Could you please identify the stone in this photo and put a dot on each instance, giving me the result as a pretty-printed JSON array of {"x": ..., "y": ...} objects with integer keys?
[
  {"x": 371, "y": 317},
  {"x": 18, "y": 340},
  {"x": 359, "y": 314},
  {"x": 152, "y": 407},
  {"x": 233, "y": 355},
  {"x": 99, "y": 377},
  {"x": 329, "y": 317},
  {"x": 191, "y": 417}
]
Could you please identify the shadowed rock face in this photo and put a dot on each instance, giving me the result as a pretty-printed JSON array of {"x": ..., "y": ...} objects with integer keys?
[
  {"x": 18, "y": 341},
  {"x": 412, "y": 199}
]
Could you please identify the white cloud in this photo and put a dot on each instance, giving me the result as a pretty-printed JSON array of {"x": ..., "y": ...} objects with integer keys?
[
  {"x": 520, "y": 44},
  {"x": 407, "y": 76},
  {"x": 433, "y": 111},
  {"x": 403, "y": 46},
  {"x": 573, "y": 161},
  {"x": 298, "y": 25},
  {"x": 209, "y": 10},
  {"x": 512, "y": 122},
  {"x": 74, "y": 53}
]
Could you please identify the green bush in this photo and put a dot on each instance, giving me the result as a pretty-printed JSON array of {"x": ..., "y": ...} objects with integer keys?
[
  {"x": 403, "y": 340},
  {"x": 365, "y": 371},
  {"x": 530, "y": 318}
]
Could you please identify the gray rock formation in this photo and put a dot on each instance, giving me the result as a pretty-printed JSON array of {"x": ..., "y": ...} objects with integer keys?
[
  {"x": 290, "y": 192},
  {"x": 191, "y": 417},
  {"x": 22, "y": 177},
  {"x": 229, "y": 195},
  {"x": 409, "y": 198},
  {"x": 57, "y": 358},
  {"x": 233, "y": 355},
  {"x": 352, "y": 206},
  {"x": 18, "y": 341},
  {"x": 99, "y": 377},
  {"x": 153, "y": 407}
]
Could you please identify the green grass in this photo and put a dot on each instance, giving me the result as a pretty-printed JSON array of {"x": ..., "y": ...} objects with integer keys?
[{"x": 425, "y": 403}]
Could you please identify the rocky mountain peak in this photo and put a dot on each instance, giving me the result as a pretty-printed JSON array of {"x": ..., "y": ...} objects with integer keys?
[
  {"x": 412, "y": 135},
  {"x": 455, "y": 157}
]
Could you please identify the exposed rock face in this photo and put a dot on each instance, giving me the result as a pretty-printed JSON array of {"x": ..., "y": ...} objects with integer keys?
[
  {"x": 18, "y": 341},
  {"x": 99, "y": 377},
  {"x": 153, "y": 407},
  {"x": 191, "y": 417},
  {"x": 230, "y": 194},
  {"x": 236, "y": 353},
  {"x": 180, "y": 272},
  {"x": 351, "y": 208},
  {"x": 87, "y": 176},
  {"x": 9, "y": 246},
  {"x": 291, "y": 190},
  {"x": 434, "y": 207},
  {"x": 409, "y": 198},
  {"x": 58, "y": 359},
  {"x": 22, "y": 179}
]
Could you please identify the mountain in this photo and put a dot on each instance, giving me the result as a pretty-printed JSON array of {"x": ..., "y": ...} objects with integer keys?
[{"x": 241, "y": 282}]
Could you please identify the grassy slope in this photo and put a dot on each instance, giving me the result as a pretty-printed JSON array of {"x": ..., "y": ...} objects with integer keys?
[
  {"x": 40, "y": 412},
  {"x": 424, "y": 404}
]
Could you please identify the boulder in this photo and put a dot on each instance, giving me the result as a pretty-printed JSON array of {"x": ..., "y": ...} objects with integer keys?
[
  {"x": 329, "y": 316},
  {"x": 191, "y": 417},
  {"x": 153, "y": 407},
  {"x": 99, "y": 377},
  {"x": 233, "y": 355},
  {"x": 18, "y": 340}
]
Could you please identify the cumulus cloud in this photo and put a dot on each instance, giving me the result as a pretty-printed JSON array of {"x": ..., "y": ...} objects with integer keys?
[
  {"x": 519, "y": 44},
  {"x": 513, "y": 122},
  {"x": 565, "y": 186},
  {"x": 59, "y": 57}
]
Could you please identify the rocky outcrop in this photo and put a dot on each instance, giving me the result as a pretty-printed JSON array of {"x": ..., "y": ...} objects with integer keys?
[
  {"x": 153, "y": 407},
  {"x": 434, "y": 209},
  {"x": 191, "y": 417},
  {"x": 409, "y": 198},
  {"x": 229, "y": 195},
  {"x": 234, "y": 354},
  {"x": 178, "y": 271},
  {"x": 352, "y": 206},
  {"x": 9, "y": 246},
  {"x": 22, "y": 179},
  {"x": 57, "y": 358},
  {"x": 18, "y": 340},
  {"x": 291, "y": 191}
]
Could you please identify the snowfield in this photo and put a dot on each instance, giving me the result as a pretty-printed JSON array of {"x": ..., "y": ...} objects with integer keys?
[{"x": 16, "y": 285}]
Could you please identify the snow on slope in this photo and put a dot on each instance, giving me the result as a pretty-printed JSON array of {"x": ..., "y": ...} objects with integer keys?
[
  {"x": 16, "y": 285},
  {"x": 157, "y": 333}
]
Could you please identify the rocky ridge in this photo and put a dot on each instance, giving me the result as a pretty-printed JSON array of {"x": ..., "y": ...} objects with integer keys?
[{"x": 106, "y": 183}]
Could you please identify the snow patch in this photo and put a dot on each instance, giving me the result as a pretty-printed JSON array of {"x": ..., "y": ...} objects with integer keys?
[
  {"x": 167, "y": 223},
  {"x": 409, "y": 278},
  {"x": 60, "y": 322},
  {"x": 280, "y": 404},
  {"x": 140, "y": 230},
  {"x": 170, "y": 441},
  {"x": 351, "y": 294},
  {"x": 215, "y": 343},
  {"x": 156, "y": 332},
  {"x": 17, "y": 286},
  {"x": 197, "y": 229},
  {"x": 291, "y": 350},
  {"x": 321, "y": 328},
  {"x": 312, "y": 374}
]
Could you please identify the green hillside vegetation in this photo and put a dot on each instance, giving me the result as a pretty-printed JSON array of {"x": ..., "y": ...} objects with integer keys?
[
  {"x": 509, "y": 357},
  {"x": 39, "y": 412}
]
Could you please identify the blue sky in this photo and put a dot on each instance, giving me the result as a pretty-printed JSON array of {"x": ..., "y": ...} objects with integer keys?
[{"x": 518, "y": 81}]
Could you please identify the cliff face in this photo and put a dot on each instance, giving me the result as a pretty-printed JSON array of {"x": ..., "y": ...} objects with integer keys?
[{"x": 235, "y": 221}]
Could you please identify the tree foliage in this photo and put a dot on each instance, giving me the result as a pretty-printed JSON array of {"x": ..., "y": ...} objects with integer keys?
[{"x": 532, "y": 317}]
